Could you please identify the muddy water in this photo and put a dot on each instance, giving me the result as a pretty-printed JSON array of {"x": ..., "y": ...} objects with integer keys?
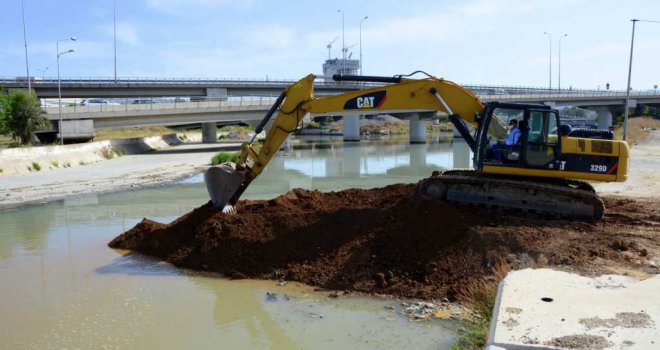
[{"x": 61, "y": 287}]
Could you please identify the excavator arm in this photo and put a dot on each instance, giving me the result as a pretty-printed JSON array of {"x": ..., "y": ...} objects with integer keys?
[{"x": 227, "y": 182}]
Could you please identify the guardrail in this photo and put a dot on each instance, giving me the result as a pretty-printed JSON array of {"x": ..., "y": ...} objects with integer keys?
[
  {"x": 96, "y": 105},
  {"x": 142, "y": 104},
  {"x": 495, "y": 89}
]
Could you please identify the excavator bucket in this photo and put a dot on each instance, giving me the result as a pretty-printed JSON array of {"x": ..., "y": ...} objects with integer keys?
[{"x": 222, "y": 182}]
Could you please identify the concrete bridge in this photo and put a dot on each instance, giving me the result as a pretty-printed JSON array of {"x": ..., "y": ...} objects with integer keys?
[{"x": 81, "y": 121}]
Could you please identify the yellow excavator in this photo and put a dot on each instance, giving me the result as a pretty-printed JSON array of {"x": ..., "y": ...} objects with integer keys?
[{"x": 541, "y": 173}]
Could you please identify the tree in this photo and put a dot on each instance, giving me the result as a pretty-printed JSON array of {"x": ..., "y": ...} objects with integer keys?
[
  {"x": 4, "y": 129},
  {"x": 21, "y": 115}
]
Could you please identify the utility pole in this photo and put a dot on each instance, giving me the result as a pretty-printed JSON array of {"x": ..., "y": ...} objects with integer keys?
[
  {"x": 559, "y": 77},
  {"x": 550, "y": 65},
  {"x": 27, "y": 65}
]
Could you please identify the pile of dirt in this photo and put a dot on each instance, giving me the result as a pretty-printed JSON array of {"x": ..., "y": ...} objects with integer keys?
[{"x": 393, "y": 241}]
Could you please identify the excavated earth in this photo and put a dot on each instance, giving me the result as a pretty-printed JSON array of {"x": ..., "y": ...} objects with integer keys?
[{"x": 394, "y": 241}]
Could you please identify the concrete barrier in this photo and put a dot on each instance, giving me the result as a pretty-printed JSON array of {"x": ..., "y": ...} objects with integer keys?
[
  {"x": 548, "y": 309},
  {"x": 15, "y": 161}
]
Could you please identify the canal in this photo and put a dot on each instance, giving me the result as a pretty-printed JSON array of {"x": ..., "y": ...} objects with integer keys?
[{"x": 62, "y": 287}]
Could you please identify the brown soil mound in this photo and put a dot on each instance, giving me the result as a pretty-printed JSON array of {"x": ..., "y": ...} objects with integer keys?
[{"x": 392, "y": 240}]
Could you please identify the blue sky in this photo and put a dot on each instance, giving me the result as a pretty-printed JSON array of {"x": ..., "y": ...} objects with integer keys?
[{"x": 470, "y": 42}]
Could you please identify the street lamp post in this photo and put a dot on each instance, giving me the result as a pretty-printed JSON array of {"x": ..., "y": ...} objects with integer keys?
[
  {"x": 364, "y": 19},
  {"x": 625, "y": 111},
  {"x": 27, "y": 65},
  {"x": 550, "y": 56},
  {"x": 632, "y": 43},
  {"x": 59, "y": 84},
  {"x": 343, "y": 43},
  {"x": 114, "y": 30},
  {"x": 43, "y": 72},
  {"x": 559, "y": 76}
]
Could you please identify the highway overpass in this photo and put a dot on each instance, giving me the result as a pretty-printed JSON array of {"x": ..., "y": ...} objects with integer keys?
[
  {"x": 83, "y": 120},
  {"x": 211, "y": 101}
]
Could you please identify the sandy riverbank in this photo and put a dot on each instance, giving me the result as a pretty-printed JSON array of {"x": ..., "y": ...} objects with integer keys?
[{"x": 121, "y": 173}]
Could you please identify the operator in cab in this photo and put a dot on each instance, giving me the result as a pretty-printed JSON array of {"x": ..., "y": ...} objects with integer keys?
[{"x": 496, "y": 151}]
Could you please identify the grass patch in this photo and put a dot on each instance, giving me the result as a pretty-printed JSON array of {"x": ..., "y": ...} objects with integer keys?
[
  {"x": 479, "y": 296},
  {"x": 36, "y": 166},
  {"x": 2, "y": 170},
  {"x": 223, "y": 157}
]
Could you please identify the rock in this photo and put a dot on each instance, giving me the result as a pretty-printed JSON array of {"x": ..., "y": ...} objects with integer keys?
[
  {"x": 381, "y": 282},
  {"x": 271, "y": 297}
]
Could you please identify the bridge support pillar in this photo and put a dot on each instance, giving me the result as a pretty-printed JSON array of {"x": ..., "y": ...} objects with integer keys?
[
  {"x": 352, "y": 127},
  {"x": 209, "y": 133},
  {"x": 604, "y": 117},
  {"x": 417, "y": 128}
]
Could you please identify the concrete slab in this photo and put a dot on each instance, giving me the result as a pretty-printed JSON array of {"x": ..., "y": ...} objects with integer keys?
[{"x": 548, "y": 309}]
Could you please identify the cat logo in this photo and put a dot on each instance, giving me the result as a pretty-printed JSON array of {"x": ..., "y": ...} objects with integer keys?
[{"x": 367, "y": 101}]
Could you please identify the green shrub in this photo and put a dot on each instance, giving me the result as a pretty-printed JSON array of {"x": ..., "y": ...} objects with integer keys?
[
  {"x": 21, "y": 115},
  {"x": 36, "y": 166},
  {"x": 223, "y": 157}
]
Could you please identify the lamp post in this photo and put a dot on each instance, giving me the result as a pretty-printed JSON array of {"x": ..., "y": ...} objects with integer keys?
[
  {"x": 43, "y": 72},
  {"x": 114, "y": 30},
  {"x": 625, "y": 111},
  {"x": 59, "y": 83},
  {"x": 559, "y": 77},
  {"x": 550, "y": 56},
  {"x": 27, "y": 65},
  {"x": 343, "y": 42},
  {"x": 364, "y": 19}
]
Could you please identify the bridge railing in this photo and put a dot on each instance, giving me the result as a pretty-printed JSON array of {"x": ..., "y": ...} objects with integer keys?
[
  {"x": 142, "y": 104},
  {"x": 100, "y": 105},
  {"x": 280, "y": 83}
]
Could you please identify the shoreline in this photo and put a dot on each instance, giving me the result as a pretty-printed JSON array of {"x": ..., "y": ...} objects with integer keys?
[
  {"x": 155, "y": 168},
  {"x": 162, "y": 167}
]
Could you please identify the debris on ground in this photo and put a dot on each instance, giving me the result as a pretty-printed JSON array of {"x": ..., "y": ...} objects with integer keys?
[{"x": 394, "y": 241}]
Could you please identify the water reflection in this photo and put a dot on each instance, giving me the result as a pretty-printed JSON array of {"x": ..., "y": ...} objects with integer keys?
[{"x": 58, "y": 277}]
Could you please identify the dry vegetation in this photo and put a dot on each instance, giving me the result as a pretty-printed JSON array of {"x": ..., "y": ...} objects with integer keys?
[
  {"x": 125, "y": 133},
  {"x": 638, "y": 129}
]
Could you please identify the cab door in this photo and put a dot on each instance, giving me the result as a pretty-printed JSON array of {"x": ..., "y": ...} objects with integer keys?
[{"x": 541, "y": 141}]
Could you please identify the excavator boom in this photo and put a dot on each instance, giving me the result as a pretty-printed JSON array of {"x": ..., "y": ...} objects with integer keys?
[
  {"x": 402, "y": 95},
  {"x": 540, "y": 172}
]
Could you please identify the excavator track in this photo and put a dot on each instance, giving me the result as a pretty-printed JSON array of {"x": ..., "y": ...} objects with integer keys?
[{"x": 560, "y": 198}]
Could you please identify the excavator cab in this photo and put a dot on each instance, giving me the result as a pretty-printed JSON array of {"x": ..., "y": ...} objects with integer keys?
[{"x": 539, "y": 144}]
